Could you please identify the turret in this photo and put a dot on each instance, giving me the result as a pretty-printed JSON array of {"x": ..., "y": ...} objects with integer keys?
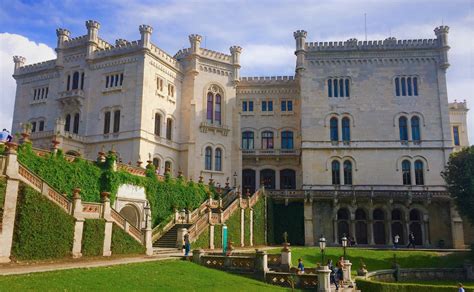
[
  {"x": 63, "y": 36},
  {"x": 195, "y": 41},
  {"x": 92, "y": 37},
  {"x": 442, "y": 37},
  {"x": 235, "y": 52},
  {"x": 19, "y": 62},
  {"x": 145, "y": 32},
  {"x": 300, "y": 37}
]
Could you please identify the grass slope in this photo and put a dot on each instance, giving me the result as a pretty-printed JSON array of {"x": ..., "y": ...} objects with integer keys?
[{"x": 151, "y": 276}]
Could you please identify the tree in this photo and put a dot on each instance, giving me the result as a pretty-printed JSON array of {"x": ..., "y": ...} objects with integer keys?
[{"x": 459, "y": 177}]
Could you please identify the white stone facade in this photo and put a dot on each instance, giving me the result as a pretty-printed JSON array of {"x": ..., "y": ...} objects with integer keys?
[{"x": 286, "y": 132}]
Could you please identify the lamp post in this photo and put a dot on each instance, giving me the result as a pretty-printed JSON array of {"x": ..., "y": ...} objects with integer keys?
[
  {"x": 322, "y": 246},
  {"x": 344, "y": 244}
]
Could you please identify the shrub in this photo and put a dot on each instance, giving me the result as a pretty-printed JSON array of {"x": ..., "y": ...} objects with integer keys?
[
  {"x": 259, "y": 222},
  {"x": 373, "y": 286},
  {"x": 233, "y": 228},
  {"x": 3, "y": 187},
  {"x": 93, "y": 237},
  {"x": 42, "y": 229},
  {"x": 203, "y": 239},
  {"x": 218, "y": 236},
  {"x": 123, "y": 243}
]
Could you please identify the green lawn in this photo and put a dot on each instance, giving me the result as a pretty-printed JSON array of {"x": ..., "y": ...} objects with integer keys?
[
  {"x": 469, "y": 284},
  {"x": 157, "y": 276},
  {"x": 379, "y": 259}
]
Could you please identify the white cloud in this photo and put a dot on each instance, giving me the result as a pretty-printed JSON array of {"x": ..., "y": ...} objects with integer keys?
[{"x": 12, "y": 45}]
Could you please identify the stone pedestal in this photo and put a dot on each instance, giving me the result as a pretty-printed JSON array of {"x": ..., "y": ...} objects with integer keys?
[
  {"x": 347, "y": 272},
  {"x": 261, "y": 264},
  {"x": 8, "y": 223},
  {"x": 324, "y": 283},
  {"x": 286, "y": 258},
  {"x": 457, "y": 230},
  {"x": 242, "y": 227},
  {"x": 79, "y": 224},
  {"x": 197, "y": 253},
  {"x": 106, "y": 210},
  {"x": 180, "y": 237}
]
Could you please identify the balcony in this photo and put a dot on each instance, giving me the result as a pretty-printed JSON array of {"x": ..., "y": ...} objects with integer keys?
[
  {"x": 270, "y": 152},
  {"x": 206, "y": 127},
  {"x": 73, "y": 97}
]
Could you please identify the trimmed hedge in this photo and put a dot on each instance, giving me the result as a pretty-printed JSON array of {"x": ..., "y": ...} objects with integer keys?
[
  {"x": 218, "y": 236},
  {"x": 123, "y": 243},
  {"x": 259, "y": 222},
  {"x": 3, "y": 189},
  {"x": 203, "y": 239},
  {"x": 42, "y": 229},
  {"x": 247, "y": 227},
  {"x": 93, "y": 237},
  {"x": 233, "y": 228},
  {"x": 373, "y": 286}
]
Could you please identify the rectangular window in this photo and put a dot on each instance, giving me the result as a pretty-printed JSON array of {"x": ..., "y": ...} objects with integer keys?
[
  {"x": 121, "y": 79},
  {"x": 107, "y": 122},
  {"x": 456, "y": 135},
  {"x": 159, "y": 84},
  {"x": 171, "y": 90},
  {"x": 116, "y": 121},
  {"x": 270, "y": 106},
  {"x": 33, "y": 127},
  {"x": 107, "y": 82},
  {"x": 41, "y": 126},
  {"x": 415, "y": 86},
  {"x": 47, "y": 91},
  {"x": 244, "y": 106},
  {"x": 68, "y": 82},
  {"x": 329, "y": 87},
  {"x": 283, "y": 105},
  {"x": 289, "y": 106},
  {"x": 113, "y": 80},
  {"x": 169, "y": 127},
  {"x": 264, "y": 106},
  {"x": 250, "y": 106},
  {"x": 404, "y": 86}
]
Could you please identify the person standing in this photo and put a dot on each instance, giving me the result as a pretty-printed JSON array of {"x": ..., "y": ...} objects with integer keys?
[
  {"x": 461, "y": 287},
  {"x": 340, "y": 271},
  {"x": 332, "y": 275},
  {"x": 187, "y": 245},
  {"x": 300, "y": 266},
  {"x": 396, "y": 239},
  {"x": 3, "y": 136},
  {"x": 411, "y": 240}
]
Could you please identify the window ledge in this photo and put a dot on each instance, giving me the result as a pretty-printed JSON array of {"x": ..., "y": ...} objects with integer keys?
[
  {"x": 171, "y": 99},
  {"x": 247, "y": 113},
  {"x": 287, "y": 113},
  {"x": 159, "y": 93},
  {"x": 40, "y": 101},
  {"x": 223, "y": 129},
  {"x": 267, "y": 113},
  {"x": 112, "y": 89},
  {"x": 213, "y": 171}
]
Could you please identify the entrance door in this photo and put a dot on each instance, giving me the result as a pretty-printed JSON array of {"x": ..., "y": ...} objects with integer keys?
[
  {"x": 248, "y": 180},
  {"x": 267, "y": 176},
  {"x": 287, "y": 179}
]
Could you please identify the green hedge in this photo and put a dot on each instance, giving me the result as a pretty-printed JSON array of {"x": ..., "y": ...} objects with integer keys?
[
  {"x": 203, "y": 240},
  {"x": 218, "y": 236},
  {"x": 123, "y": 243},
  {"x": 3, "y": 189},
  {"x": 247, "y": 227},
  {"x": 93, "y": 178},
  {"x": 233, "y": 228},
  {"x": 373, "y": 286},
  {"x": 93, "y": 237},
  {"x": 42, "y": 229},
  {"x": 259, "y": 222}
]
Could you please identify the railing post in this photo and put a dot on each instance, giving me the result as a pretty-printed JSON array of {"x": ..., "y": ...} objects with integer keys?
[
  {"x": 347, "y": 272},
  {"x": 180, "y": 238},
  {"x": 197, "y": 254},
  {"x": 286, "y": 258},
  {"x": 79, "y": 224},
  {"x": 324, "y": 284},
  {"x": 251, "y": 226},
  {"x": 106, "y": 214},
  {"x": 261, "y": 264},
  {"x": 10, "y": 202},
  {"x": 242, "y": 226}
]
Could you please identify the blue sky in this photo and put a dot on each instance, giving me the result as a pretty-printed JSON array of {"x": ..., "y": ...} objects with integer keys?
[{"x": 263, "y": 28}]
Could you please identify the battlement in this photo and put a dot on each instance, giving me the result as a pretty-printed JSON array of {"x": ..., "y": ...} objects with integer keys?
[
  {"x": 74, "y": 42},
  {"x": 387, "y": 44},
  {"x": 458, "y": 105},
  {"x": 215, "y": 55},
  {"x": 267, "y": 79},
  {"x": 36, "y": 67},
  {"x": 121, "y": 48},
  {"x": 165, "y": 56}
]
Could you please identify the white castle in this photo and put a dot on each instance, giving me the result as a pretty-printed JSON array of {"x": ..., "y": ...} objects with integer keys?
[{"x": 356, "y": 139}]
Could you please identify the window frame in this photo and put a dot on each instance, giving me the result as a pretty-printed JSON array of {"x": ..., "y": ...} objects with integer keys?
[{"x": 267, "y": 140}]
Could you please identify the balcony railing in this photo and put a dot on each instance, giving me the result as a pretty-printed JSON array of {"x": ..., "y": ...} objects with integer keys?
[
  {"x": 205, "y": 127},
  {"x": 75, "y": 96},
  {"x": 271, "y": 152}
]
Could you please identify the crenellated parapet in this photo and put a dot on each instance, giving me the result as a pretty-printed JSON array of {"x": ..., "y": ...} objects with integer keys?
[
  {"x": 387, "y": 44},
  {"x": 218, "y": 56},
  {"x": 46, "y": 65},
  {"x": 458, "y": 105},
  {"x": 267, "y": 78}
]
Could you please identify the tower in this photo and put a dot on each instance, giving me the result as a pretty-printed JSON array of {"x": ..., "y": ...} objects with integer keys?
[
  {"x": 92, "y": 37},
  {"x": 235, "y": 52},
  {"x": 300, "y": 52},
  {"x": 63, "y": 36},
  {"x": 19, "y": 61},
  {"x": 442, "y": 37},
  {"x": 145, "y": 33}
]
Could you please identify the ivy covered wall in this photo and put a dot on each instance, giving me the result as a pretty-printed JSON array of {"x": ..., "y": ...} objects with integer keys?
[
  {"x": 259, "y": 222},
  {"x": 123, "y": 243},
  {"x": 93, "y": 237}
]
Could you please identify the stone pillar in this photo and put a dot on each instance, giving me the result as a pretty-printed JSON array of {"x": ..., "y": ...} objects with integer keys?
[
  {"x": 286, "y": 258},
  {"x": 300, "y": 52},
  {"x": 347, "y": 272},
  {"x": 211, "y": 236},
  {"x": 242, "y": 227},
  {"x": 308, "y": 223},
  {"x": 388, "y": 227},
  {"x": 19, "y": 62},
  {"x": 334, "y": 222},
  {"x": 261, "y": 264},
  {"x": 106, "y": 210},
  {"x": 371, "y": 232},
  {"x": 235, "y": 53},
  {"x": 324, "y": 283},
  {"x": 457, "y": 231},
  {"x": 180, "y": 237},
  {"x": 63, "y": 36},
  {"x": 10, "y": 202},
  {"x": 251, "y": 226},
  {"x": 425, "y": 231},
  {"x": 197, "y": 253},
  {"x": 79, "y": 224}
]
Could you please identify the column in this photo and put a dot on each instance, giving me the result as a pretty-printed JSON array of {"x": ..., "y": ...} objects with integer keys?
[
  {"x": 457, "y": 231},
  {"x": 426, "y": 230},
  {"x": 242, "y": 227},
  {"x": 251, "y": 226},
  {"x": 370, "y": 228},
  {"x": 107, "y": 251},
  {"x": 335, "y": 231},
  {"x": 79, "y": 224},
  {"x": 9, "y": 207},
  {"x": 308, "y": 223},
  {"x": 211, "y": 236},
  {"x": 388, "y": 227}
]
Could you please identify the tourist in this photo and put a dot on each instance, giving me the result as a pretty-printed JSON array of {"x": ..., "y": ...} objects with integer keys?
[
  {"x": 300, "y": 266},
  {"x": 396, "y": 238},
  {"x": 461, "y": 287},
  {"x": 340, "y": 271},
  {"x": 332, "y": 275},
  {"x": 411, "y": 240},
  {"x": 352, "y": 241},
  {"x": 4, "y": 136},
  {"x": 187, "y": 245}
]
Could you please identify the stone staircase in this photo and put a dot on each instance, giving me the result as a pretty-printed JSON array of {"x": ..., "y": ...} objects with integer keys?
[{"x": 168, "y": 240}]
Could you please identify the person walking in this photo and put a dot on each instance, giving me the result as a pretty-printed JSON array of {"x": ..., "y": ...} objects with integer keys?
[
  {"x": 332, "y": 275},
  {"x": 461, "y": 287},
  {"x": 396, "y": 239},
  {"x": 411, "y": 240},
  {"x": 187, "y": 245}
]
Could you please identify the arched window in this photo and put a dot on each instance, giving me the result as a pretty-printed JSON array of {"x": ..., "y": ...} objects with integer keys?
[
  {"x": 419, "y": 178},
  {"x": 168, "y": 166},
  {"x": 75, "y": 80},
  {"x": 287, "y": 140},
  {"x": 218, "y": 163},
  {"x": 67, "y": 124},
  {"x": 343, "y": 217},
  {"x": 346, "y": 129},
  {"x": 379, "y": 226},
  {"x": 157, "y": 124},
  {"x": 106, "y": 122},
  {"x": 75, "y": 128},
  {"x": 406, "y": 172},
  {"x": 334, "y": 129},
  {"x": 210, "y": 107},
  {"x": 415, "y": 128},
  {"x": 217, "y": 113},
  {"x": 403, "y": 128},
  {"x": 396, "y": 215},
  {"x": 347, "y": 172},
  {"x": 156, "y": 163},
  {"x": 208, "y": 158},
  {"x": 267, "y": 140},
  {"x": 347, "y": 88},
  {"x": 169, "y": 128},
  {"x": 287, "y": 179},
  {"x": 329, "y": 88},
  {"x": 247, "y": 140},
  {"x": 335, "y": 169},
  {"x": 82, "y": 81}
]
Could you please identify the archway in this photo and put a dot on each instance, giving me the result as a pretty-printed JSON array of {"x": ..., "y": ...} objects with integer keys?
[
  {"x": 342, "y": 223},
  {"x": 132, "y": 215},
  {"x": 415, "y": 226},
  {"x": 379, "y": 226},
  {"x": 361, "y": 226},
  {"x": 287, "y": 179},
  {"x": 248, "y": 180},
  {"x": 397, "y": 225},
  {"x": 267, "y": 176}
]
